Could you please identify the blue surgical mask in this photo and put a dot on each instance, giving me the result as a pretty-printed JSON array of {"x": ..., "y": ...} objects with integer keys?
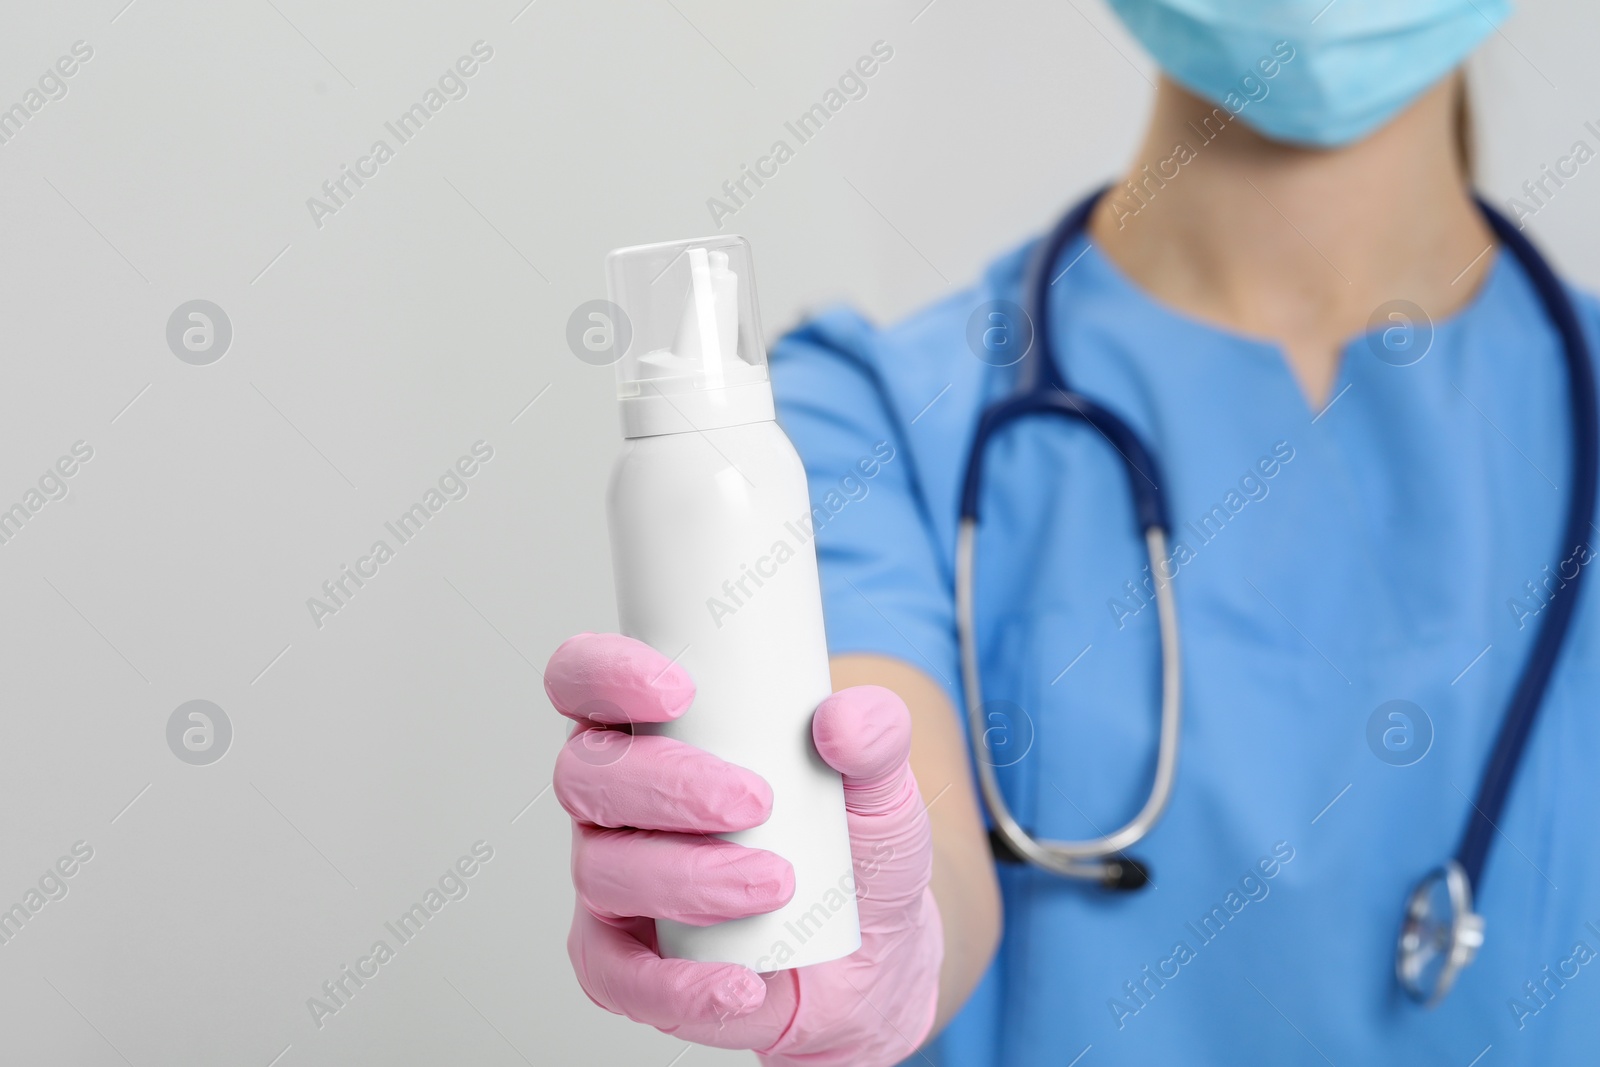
[{"x": 1310, "y": 71}]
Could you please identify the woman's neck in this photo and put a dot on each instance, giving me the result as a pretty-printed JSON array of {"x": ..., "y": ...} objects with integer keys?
[{"x": 1299, "y": 246}]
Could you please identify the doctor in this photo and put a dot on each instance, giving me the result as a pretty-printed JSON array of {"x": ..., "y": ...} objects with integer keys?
[{"x": 1360, "y": 402}]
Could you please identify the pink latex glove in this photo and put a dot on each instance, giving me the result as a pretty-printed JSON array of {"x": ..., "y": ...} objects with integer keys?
[{"x": 642, "y": 807}]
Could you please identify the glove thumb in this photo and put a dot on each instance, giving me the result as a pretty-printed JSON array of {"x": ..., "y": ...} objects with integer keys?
[{"x": 864, "y": 733}]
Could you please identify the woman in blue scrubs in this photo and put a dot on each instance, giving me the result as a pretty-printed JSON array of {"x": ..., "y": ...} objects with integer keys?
[{"x": 1360, "y": 410}]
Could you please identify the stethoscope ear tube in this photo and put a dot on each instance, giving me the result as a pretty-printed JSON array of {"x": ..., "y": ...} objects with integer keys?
[
  {"x": 1099, "y": 859},
  {"x": 1043, "y": 390},
  {"x": 1119, "y": 872},
  {"x": 1144, "y": 474}
]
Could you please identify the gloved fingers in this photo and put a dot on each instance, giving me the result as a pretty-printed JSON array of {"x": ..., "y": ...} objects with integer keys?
[
  {"x": 611, "y": 679},
  {"x": 864, "y": 733},
  {"x": 616, "y": 779},
  {"x": 687, "y": 878},
  {"x": 623, "y": 975}
]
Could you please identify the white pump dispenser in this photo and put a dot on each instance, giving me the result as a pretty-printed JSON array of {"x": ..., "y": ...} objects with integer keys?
[
  {"x": 711, "y": 546},
  {"x": 710, "y": 371}
]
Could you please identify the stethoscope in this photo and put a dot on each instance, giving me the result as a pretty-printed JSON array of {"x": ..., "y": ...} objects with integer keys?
[{"x": 1440, "y": 933}]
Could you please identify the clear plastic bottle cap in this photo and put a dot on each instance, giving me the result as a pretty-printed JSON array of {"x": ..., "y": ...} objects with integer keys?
[{"x": 695, "y": 360}]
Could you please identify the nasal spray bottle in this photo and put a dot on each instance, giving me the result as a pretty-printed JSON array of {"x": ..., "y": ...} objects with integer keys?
[{"x": 711, "y": 546}]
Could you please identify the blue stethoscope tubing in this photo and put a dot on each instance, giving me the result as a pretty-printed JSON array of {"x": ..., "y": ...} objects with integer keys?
[
  {"x": 1436, "y": 943},
  {"x": 1043, "y": 390}
]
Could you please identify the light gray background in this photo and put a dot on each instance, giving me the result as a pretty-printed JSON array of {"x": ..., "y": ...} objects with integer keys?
[{"x": 367, "y": 356}]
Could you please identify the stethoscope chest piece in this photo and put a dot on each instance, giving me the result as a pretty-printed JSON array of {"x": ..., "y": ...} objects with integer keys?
[{"x": 1440, "y": 935}]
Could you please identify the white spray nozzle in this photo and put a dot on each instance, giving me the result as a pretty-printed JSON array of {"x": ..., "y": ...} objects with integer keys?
[
  {"x": 708, "y": 334},
  {"x": 694, "y": 351}
]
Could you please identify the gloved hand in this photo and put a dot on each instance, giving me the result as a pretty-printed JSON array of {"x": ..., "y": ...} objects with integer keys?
[{"x": 642, "y": 807}]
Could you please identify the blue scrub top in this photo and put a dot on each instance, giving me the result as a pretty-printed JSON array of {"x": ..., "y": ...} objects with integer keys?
[{"x": 1398, "y": 546}]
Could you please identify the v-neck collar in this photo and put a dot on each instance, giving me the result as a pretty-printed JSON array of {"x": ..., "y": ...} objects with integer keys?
[{"x": 1161, "y": 319}]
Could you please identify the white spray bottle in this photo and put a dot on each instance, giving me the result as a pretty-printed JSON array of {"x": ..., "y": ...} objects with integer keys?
[{"x": 711, "y": 545}]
